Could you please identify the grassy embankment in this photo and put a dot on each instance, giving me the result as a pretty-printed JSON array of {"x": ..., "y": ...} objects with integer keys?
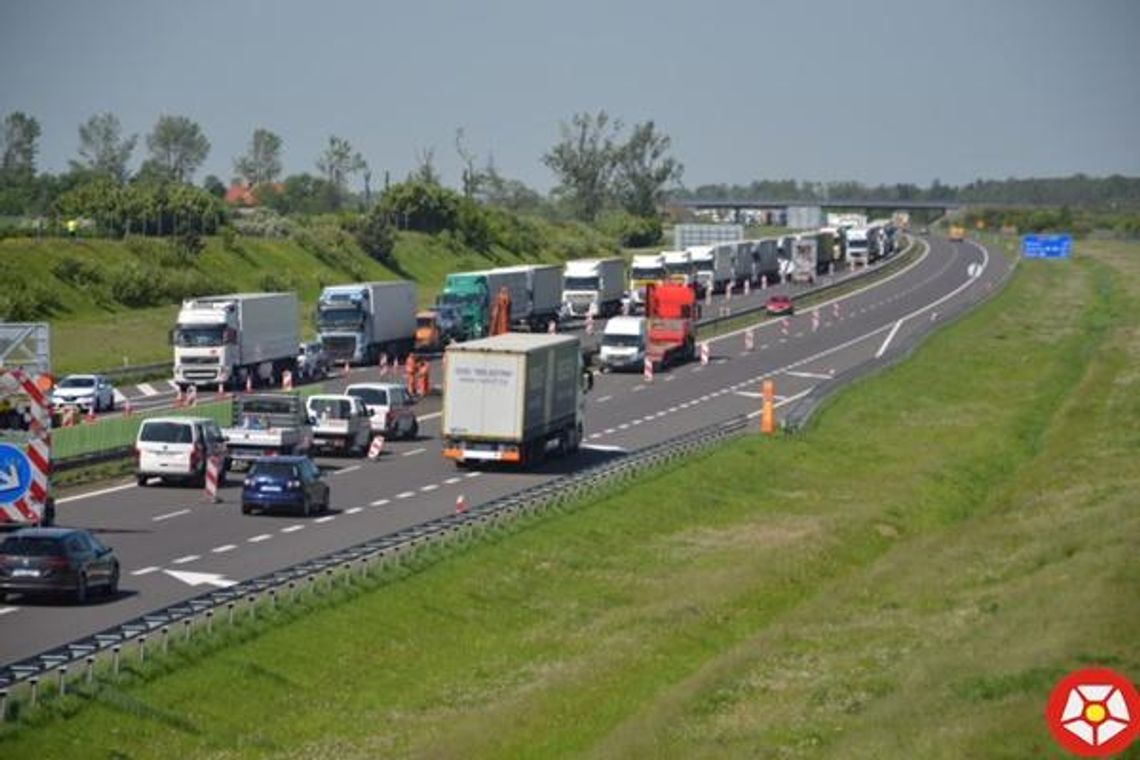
[
  {"x": 92, "y": 330},
  {"x": 907, "y": 578}
]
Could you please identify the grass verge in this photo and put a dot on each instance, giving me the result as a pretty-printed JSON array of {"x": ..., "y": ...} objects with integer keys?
[{"x": 907, "y": 578}]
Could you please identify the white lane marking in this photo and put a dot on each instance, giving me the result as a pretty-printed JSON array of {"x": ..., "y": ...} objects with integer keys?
[
  {"x": 91, "y": 494},
  {"x": 169, "y": 515},
  {"x": 325, "y": 519},
  {"x": 413, "y": 452},
  {"x": 452, "y": 481},
  {"x": 890, "y": 336},
  {"x": 343, "y": 470},
  {"x": 6, "y": 610},
  {"x": 670, "y": 378},
  {"x": 380, "y": 502},
  {"x": 223, "y": 548},
  {"x": 604, "y": 399},
  {"x": 431, "y": 416},
  {"x": 354, "y": 510},
  {"x": 809, "y": 375},
  {"x": 599, "y": 447},
  {"x": 595, "y": 436},
  {"x": 749, "y": 394},
  {"x": 259, "y": 538},
  {"x": 638, "y": 387},
  {"x": 184, "y": 560},
  {"x": 608, "y": 431},
  {"x": 623, "y": 426},
  {"x": 473, "y": 474},
  {"x": 428, "y": 488},
  {"x": 696, "y": 369},
  {"x": 637, "y": 422},
  {"x": 147, "y": 389},
  {"x": 292, "y": 528},
  {"x": 145, "y": 570},
  {"x": 405, "y": 494}
]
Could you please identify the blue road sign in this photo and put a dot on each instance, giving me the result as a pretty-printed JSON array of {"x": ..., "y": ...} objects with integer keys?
[
  {"x": 1046, "y": 246},
  {"x": 15, "y": 473}
]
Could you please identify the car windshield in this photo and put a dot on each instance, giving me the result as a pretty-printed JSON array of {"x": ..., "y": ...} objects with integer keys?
[
  {"x": 274, "y": 470},
  {"x": 33, "y": 546},
  {"x": 370, "y": 396},
  {"x": 77, "y": 382},
  {"x": 621, "y": 340},
  {"x": 337, "y": 409},
  {"x": 166, "y": 432}
]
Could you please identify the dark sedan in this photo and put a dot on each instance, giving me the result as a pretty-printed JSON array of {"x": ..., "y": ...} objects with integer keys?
[
  {"x": 54, "y": 560},
  {"x": 291, "y": 482}
]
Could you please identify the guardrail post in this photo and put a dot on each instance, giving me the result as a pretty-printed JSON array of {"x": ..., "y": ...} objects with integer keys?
[
  {"x": 209, "y": 621},
  {"x": 165, "y": 638},
  {"x": 89, "y": 677},
  {"x": 62, "y": 682},
  {"x": 3, "y": 705},
  {"x": 186, "y": 628},
  {"x": 115, "y": 652},
  {"x": 142, "y": 648},
  {"x": 251, "y": 599},
  {"x": 273, "y": 598},
  {"x": 292, "y": 591},
  {"x": 35, "y": 684},
  {"x": 230, "y": 609}
]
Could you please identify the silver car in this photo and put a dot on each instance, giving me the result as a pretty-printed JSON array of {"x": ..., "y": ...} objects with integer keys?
[{"x": 93, "y": 392}]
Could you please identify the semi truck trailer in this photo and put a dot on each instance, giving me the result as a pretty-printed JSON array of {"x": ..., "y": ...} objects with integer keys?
[
  {"x": 227, "y": 340},
  {"x": 357, "y": 323},
  {"x": 596, "y": 284},
  {"x": 513, "y": 398}
]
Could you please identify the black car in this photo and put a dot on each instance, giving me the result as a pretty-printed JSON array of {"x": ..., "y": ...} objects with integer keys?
[{"x": 52, "y": 560}]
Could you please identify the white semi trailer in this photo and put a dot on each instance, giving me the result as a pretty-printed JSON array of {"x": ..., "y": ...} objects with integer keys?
[
  {"x": 227, "y": 340},
  {"x": 593, "y": 284},
  {"x": 356, "y": 323}
]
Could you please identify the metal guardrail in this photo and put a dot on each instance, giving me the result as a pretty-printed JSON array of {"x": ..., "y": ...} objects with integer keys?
[{"x": 79, "y": 657}]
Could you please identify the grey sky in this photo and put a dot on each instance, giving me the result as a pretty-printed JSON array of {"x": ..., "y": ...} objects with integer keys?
[{"x": 873, "y": 90}]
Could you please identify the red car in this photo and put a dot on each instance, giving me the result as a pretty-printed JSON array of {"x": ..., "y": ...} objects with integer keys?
[{"x": 780, "y": 305}]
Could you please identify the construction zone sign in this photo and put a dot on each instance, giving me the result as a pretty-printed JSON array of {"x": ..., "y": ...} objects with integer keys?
[{"x": 25, "y": 424}]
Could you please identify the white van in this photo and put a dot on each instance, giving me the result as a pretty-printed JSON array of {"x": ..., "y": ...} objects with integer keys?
[
  {"x": 177, "y": 448},
  {"x": 623, "y": 344}
]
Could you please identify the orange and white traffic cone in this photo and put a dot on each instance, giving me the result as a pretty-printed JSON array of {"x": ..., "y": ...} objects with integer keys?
[
  {"x": 90, "y": 416},
  {"x": 221, "y": 392}
]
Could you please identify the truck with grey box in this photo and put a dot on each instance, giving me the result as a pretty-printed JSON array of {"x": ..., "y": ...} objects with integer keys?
[
  {"x": 359, "y": 322},
  {"x": 543, "y": 295},
  {"x": 513, "y": 398}
]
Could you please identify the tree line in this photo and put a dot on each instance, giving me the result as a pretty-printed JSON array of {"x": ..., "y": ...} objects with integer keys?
[
  {"x": 604, "y": 177},
  {"x": 1076, "y": 190}
]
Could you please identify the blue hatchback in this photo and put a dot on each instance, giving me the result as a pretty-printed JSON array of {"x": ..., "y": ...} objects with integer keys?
[{"x": 290, "y": 482}]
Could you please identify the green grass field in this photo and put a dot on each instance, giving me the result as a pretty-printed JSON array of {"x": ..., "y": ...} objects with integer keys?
[
  {"x": 91, "y": 331},
  {"x": 907, "y": 578}
]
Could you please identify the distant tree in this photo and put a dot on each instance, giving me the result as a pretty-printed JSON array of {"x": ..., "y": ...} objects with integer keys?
[
  {"x": 262, "y": 162},
  {"x": 644, "y": 169},
  {"x": 214, "y": 186},
  {"x": 102, "y": 147},
  {"x": 177, "y": 147},
  {"x": 425, "y": 170},
  {"x": 337, "y": 164},
  {"x": 473, "y": 178},
  {"x": 375, "y": 234},
  {"x": 584, "y": 161},
  {"x": 509, "y": 194},
  {"x": 299, "y": 194},
  {"x": 20, "y": 142}
]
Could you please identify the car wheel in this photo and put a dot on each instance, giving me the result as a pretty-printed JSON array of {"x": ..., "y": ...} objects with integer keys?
[
  {"x": 414, "y": 430},
  {"x": 307, "y": 507},
  {"x": 246, "y": 509},
  {"x": 81, "y": 589},
  {"x": 141, "y": 480},
  {"x": 113, "y": 584}
]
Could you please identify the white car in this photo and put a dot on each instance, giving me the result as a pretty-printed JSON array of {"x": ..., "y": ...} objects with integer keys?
[
  {"x": 390, "y": 408},
  {"x": 84, "y": 391},
  {"x": 178, "y": 448}
]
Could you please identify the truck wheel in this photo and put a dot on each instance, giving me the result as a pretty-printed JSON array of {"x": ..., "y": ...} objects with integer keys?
[
  {"x": 414, "y": 430},
  {"x": 141, "y": 480}
]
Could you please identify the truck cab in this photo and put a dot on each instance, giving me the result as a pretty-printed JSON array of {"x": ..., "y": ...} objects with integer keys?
[
  {"x": 465, "y": 294},
  {"x": 623, "y": 344},
  {"x": 678, "y": 267},
  {"x": 646, "y": 269},
  {"x": 670, "y": 311}
]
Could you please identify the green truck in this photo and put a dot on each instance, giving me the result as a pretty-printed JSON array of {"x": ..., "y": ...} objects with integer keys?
[{"x": 470, "y": 295}]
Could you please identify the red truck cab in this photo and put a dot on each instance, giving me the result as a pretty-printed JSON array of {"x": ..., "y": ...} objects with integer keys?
[{"x": 671, "y": 312}]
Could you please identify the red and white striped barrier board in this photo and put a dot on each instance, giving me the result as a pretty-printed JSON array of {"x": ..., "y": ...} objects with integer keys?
[
  {"x": 127, "y": 409},
  {"x": 90, "y": 416},
  {"x": 835, "y": 309},
  {"x": 747, "y": 287},
  {"x": 647, "y": 370},
  {"x": 346, "y": 367},
  {"x": 249, "y": 383},
  {"x": 749, "y": 340},
  {"x": 26, "y": 482},
  {"x": 784, "y": 326},
  {"x": 815, "y": 320},
  {"x": 708, "y": 295},
  {"x": 213, "y": 475},
  {"x": 376, "y": 448},
  {"x": 460, "y": 504},
  {"x": 67, "y": 417},
  {"x": 590, "y": 322},
  {"x": 192, "y": 396},
  {"x": 383, "y": 364},
  {"x": 728, "y": 291},
  {"x": 704, "y": 353},
  {"x": 552, "y": 326},
  {"x": 764, "y": 282},
  {"x": 286, "y": 380},
  {"x": 221, "y": 392}
]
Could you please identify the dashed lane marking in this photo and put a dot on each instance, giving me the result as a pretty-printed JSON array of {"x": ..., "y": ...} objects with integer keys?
[
  {"x": 413, "y": 452},
  {"x": 379, "y": 502},
  {"x": 292, "y": 528},
  {"x": 343, "y": 470},
  {"x": 453, "y": 481},
  {"x": 184, "y": 560},
  {"x": 325, "y": 519},
  {"x": 405, "y": 494},
  {"x": 354, "y": 510},
  {"x": 169, "y": 515},
  {"x": 259, "y": 538},
  {"x": 223, "y": 548},
  {"x": 145, "y": 570},
  {"x": 428, "y": 488}
]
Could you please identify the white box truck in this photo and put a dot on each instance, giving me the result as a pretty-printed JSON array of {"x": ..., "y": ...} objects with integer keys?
[
  {"x": 597, "y": 284},
  {"x": 223, "y": 340},
  {"x": 713, "y": 266},
  {"x": 857, "y": 246},
  {"x": 742, "y": 261},
  {"x": 513, "y": 398},
  {"x": 804, "y": 259},
  {"x": 356, "y": 323},
  {"x": 623, "y": 344}
]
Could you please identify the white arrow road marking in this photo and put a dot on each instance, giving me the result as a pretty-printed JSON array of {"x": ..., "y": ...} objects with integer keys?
[
  {"x": 200, "y": 579},
  {"x": 10, "y": 479}
]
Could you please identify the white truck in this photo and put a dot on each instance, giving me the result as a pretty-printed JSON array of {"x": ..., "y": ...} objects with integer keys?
[
  {"x": 857, "y": 246},
  {"x": 742, "y": 261},
  {"x": 543, "y": 295},
  {"x": 646, "y": 269},
  {"x": 623, "y": 344},
  {"x": 678, "y": 267},
  {"x": 225, "y": 340},
  {"x": 804, "y": 259},
  {"x": 596, "y": 284},
  {"x": 267, "y": 424},
  {"x": 356, "y": 323},
  {"x": 512, "y": 398},
  {"x": 713, "y": 266}
]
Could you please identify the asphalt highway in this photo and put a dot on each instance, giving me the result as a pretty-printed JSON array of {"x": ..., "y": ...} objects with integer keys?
[{"x": 174, "y": 545}]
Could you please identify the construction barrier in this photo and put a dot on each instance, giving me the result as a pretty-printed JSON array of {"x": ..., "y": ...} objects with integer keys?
[
  {"x": 704, "y": 353},
  {"x": 590, "y": 322},
  {"x": 747, "y": 287},
  {"x": 67, "y": 418},
  {"x": 286, "y": 380},
  {"x": 647, "y": 370},
  {"x": 249, "y": 383},
  {"x": 376, "y": 448},
  {"x": 17, "y": 384},
  {"x": 784, "y": 324},
  {"x": 383, "y": 364},
  {"x": 221, "y": 392},
  {"x": 815, "y": 320},
  {"x": 460, "y": 504},
  {"x": 192, "y": 396},
  {"x": 213, "y": 475},
  {"x": 749, "y": 339},
  {"x": 552, "y": 327},
  {"x": 767, "y": 410}
]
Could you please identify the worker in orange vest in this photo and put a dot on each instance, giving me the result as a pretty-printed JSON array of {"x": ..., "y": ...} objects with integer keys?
[
  {"x": 410, "y": 373},
  {"x": 423, "y": 378}
]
